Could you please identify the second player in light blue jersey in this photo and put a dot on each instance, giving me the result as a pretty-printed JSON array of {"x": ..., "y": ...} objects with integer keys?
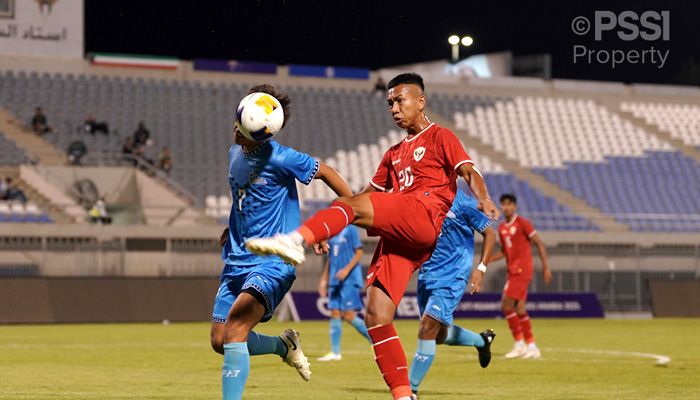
[
  {"x": 441, "y": 284},
  {"x": 342, "y": 283},
  {"x": 262, "y": 176}
]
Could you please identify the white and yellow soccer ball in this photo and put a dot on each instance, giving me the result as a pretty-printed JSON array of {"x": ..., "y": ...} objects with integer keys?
[{"x": 259, "y": 116}]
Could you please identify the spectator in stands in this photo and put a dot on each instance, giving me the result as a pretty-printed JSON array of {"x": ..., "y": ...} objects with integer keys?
[
  {"x": 98, "y": 213},
  {"x": 379, "y": 87},
  {"x": 13, "y": 193},
  {"x": 92, "y": 126},
  {"x": 39, "y": 122},
  {"x": 141, "y": 135},
  {"x": 165, "y": 159}
]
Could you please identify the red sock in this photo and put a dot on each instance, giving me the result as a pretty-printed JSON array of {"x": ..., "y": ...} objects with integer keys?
[
  {"x": 514, "y": 324},
  {"x": 526, "y": 327},
  {"x": 391, "y": 359},
  {"x": 327, "y": 223}
]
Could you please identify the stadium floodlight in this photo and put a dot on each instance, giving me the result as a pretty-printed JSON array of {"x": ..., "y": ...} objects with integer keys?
[
  {"x": 454, "y": 41},
  {"x": 467, "y": 41}
]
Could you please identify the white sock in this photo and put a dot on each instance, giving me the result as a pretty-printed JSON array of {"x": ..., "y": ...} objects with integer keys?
[
  {"x": 520, "y": 343},
  {"x": 532, "y": 345},
  {"x": 296, "y": 237}
]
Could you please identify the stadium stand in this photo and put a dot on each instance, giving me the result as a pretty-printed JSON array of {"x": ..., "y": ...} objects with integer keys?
[
  {"x": 562, "y": 139},
  {"x": 593, "y": 153},
  {"x": 10, "y": 155},
  {"x": 680, "y": 120},
  {"x": 15, "y": 212}
]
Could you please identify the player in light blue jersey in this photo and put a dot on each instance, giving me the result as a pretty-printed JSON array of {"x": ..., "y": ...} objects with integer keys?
[
  {"x": 262, "y": 176},
  {"x": 342, "y": 283},
  {"x": 441, "y": 283}
]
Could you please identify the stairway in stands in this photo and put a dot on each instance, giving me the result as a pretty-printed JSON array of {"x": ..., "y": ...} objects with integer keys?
[{"x": 38, "y": 149}]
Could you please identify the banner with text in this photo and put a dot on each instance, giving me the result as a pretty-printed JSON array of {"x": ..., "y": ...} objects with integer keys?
[
  {"x": 50, "y": 28},
  {"x": 309, "y": 306}
]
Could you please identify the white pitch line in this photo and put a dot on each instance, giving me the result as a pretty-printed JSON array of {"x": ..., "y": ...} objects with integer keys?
[{"x": 659, "y": 359}]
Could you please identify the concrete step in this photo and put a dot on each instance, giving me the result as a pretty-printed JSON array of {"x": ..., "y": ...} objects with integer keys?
[
  {"x": 538, "y": 182},
  {"x": 38, "y": 149}
]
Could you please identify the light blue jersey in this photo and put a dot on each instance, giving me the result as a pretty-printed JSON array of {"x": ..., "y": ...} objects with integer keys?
[
  {"x": 454, "y": 253},
  {"x": 342, "y": 250},
  {"x": 265, "y": 202},
  {"x": 443, "y": 278},
  {"x": 265, "y": 199}
]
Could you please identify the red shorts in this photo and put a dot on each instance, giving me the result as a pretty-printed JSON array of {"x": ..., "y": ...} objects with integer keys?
[
  {"x": 516, "y": 287},
  {"x": 407, "y": 240}
]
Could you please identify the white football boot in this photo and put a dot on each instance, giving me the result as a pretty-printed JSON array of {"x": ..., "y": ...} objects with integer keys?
[
  {"x": 295, "y": 356},
  {"x": 532, "y": 352},
  {"x": 519, "y": 350},
  {"x": 280, "y": 245},
  {"x": 331, "y": 356}
]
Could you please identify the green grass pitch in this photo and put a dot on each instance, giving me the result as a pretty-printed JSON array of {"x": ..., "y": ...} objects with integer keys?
[{"x": 154, "y": 361}]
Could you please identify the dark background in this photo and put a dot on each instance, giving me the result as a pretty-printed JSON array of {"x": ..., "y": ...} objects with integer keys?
[{"x": 378, "y": 33}]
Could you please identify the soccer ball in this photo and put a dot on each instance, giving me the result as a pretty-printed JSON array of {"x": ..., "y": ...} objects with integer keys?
[{"x": 259, "y": 116}]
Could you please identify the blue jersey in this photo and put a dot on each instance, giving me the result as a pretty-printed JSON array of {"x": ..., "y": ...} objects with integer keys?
[
  {"x": 454, "y": 253},
  {"x": 342, "y": 250},
  {"x": 265, "y": 199}
]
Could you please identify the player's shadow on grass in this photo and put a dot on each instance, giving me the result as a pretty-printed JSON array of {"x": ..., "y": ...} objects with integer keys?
[{"x": 383, "y": 391}]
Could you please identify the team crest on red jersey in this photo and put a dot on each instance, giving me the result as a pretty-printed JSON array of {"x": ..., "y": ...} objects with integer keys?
[{"x": 419, "y": 153}]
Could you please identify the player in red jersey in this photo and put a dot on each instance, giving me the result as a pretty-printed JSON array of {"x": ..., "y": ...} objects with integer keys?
[
  {"x": 517, "y": 236},
  {"x": 404, "y": 204}
]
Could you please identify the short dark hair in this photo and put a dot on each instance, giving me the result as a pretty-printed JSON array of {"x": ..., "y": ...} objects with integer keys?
[
  {"x": 508, "y": 197},
  {"x": 283, "y": 98},
  {"x": 408, "y": 78}
]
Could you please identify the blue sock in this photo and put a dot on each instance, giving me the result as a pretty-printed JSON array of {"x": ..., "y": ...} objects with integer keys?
[
  {"x": 422, "y": 361},
  {"x": 458, "y": 336},
  {"x": 235, "y": 371},
  {"x": 336, "y": 333},
  {"x": 263, "y": 344},
  {"x": 359, "y": 324}
]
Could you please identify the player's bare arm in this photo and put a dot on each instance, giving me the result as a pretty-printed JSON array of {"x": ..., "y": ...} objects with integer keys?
[
  {"x": 323, "y": 282},
  {"x": 333, "y": 180},
  {"x": 343, "y": 273},
  {"x": 476, "y": 183},
  {"x": 477, "y": 275},
  {"x": 499, "y": 255},
  {"x": 542, "y": 251}
]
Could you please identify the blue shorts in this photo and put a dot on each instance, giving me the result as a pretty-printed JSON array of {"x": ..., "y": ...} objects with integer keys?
[
  {"x": 345, "y": 298},
  {"x": 271, "y": 281},
  {"x": 439, "y": 299}
]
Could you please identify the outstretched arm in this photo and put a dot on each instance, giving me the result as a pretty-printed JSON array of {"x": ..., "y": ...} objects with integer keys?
[
  {"x": 542, "y": 251},
  {"x": 333, "y": 180},
  {"x": 486, "y": 250},
  {"x": 476, "y": 183}
]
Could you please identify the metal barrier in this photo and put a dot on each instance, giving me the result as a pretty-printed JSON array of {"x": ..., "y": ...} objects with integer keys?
[{"x": 617, "y": 272}]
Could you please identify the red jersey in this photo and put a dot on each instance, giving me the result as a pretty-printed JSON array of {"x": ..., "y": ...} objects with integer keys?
[
  {"x": 424, "y": 165},
  {"x": 515, "y": 242}
]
